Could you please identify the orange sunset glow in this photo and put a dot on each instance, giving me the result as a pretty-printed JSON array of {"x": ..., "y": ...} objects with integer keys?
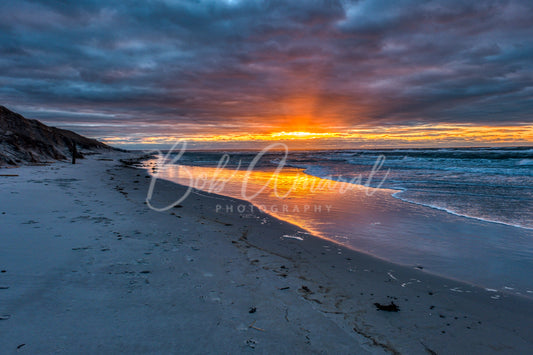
[{"x": 423, "y": 136}]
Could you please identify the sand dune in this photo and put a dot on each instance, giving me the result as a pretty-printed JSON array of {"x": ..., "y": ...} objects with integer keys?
[{"x": 30, "y": 141}]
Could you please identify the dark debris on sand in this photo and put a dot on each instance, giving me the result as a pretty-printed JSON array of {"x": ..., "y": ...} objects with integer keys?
[{"x": 392, "y": 307}]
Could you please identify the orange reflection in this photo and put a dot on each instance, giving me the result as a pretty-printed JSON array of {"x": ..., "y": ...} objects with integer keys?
[
  {"x": 290, "y": 182},
  {"x": 290, "y": 195}
]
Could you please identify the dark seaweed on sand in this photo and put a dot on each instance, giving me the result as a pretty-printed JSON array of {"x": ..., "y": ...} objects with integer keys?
[{"x": 392, "y": 307}]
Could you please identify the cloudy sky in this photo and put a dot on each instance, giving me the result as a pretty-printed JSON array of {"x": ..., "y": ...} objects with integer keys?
[{"x": 146, "y": 71}]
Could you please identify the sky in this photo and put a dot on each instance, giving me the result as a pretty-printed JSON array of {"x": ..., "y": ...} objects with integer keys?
[{"x": 363, "y": 73}]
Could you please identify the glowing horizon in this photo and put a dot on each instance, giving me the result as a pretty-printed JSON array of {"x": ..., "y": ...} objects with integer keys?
[{"x": 436, "y": 135}]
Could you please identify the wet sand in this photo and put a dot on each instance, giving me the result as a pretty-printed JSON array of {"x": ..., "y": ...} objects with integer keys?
[
  {"x": 88, "y": 267},
  {"x": 370, "y": 220}
]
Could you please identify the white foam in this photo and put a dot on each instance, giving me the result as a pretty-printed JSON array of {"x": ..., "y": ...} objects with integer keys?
[
  {"x": 525, "y": 162},
  {"x": 292, "y": 237},
  {"x": 395, "y": 195}
]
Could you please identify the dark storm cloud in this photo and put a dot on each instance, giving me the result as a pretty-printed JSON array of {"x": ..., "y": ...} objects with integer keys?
[{"x": 232, "y": 65}]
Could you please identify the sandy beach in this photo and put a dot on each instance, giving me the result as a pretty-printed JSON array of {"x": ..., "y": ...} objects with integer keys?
[{"x": 87, "y": 267}]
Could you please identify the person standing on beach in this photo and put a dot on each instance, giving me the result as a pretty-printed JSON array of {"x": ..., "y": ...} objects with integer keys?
[{"x": 74, "y": 152}]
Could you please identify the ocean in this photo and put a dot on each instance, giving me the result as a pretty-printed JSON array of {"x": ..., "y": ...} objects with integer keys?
[{"x": 464, "y": 213}]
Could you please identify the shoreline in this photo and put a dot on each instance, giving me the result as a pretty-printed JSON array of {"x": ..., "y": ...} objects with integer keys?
[
  {"x": 397, "y": 191},
  {"x": 381, "y": 223},
  {"x": 306, "y": 295},
  {"x": 459, "y": 214}
]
